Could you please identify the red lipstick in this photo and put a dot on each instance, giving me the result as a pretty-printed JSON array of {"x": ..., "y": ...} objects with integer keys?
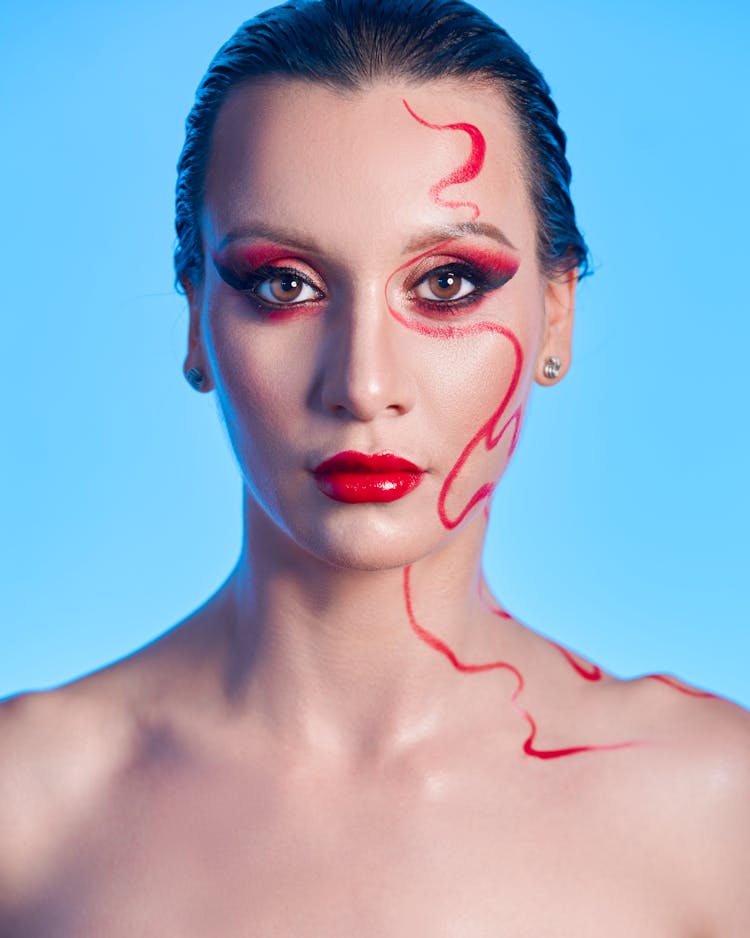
[{"x": 356, "y": 477}]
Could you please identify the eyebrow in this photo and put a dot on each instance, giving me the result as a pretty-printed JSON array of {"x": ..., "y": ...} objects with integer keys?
[
  {"x": 445, "y": 232},
  {"x": 419, "y": 242},
  {"x": 259, "y": 230}
]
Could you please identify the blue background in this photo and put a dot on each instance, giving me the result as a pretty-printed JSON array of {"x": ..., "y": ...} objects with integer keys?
[{"x": 622, "y": 525}]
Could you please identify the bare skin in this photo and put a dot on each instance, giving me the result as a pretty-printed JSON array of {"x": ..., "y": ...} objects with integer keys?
[{"x": 296, "y": 758}]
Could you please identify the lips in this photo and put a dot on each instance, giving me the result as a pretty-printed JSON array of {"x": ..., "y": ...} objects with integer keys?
[{"x": 357, "y": 477}]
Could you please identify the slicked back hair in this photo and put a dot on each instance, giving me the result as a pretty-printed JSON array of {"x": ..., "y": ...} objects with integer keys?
[{"x": 348, "y": 45}]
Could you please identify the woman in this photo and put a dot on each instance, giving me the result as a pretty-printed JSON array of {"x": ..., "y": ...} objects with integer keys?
[{"x": 351, "y": 736}]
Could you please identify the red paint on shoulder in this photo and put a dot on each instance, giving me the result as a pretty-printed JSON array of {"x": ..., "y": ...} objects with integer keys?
[
  {"x": 531, "y": 750},
  {"x": 437, "y": 644},
  {"x": 592, "y": 674},
  {"x": 682, "y": 688}
]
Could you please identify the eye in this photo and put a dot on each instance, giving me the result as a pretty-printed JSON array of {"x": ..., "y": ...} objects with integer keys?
[
  {"x": 285, "y": 287},
  {"x": 445, "y": 284}
]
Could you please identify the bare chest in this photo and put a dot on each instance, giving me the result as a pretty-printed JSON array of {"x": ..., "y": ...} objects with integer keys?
[{"x": 213, "y": 857}]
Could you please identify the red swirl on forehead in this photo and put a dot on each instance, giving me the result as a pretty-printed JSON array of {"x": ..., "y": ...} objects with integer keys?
[{"x": 466, "y": 171}]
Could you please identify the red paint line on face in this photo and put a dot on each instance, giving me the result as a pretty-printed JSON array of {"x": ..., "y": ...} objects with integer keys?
[
  {"x": 466, "y": 171},
  {"x": 491, "y": 432},
  {"x": 691, "y": 692},
  {"x": 444, "y": 649},
  {"x": 491, "y": 437},
  {"x": 489, "y": 261}
]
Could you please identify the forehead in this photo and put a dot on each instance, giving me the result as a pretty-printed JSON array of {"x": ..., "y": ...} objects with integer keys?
[{"x": 362, "y": 169}]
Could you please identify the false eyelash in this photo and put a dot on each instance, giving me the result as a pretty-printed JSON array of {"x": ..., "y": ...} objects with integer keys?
[
  {"x": 483, "y": 284},
  {"x": 249, "y": 282}
]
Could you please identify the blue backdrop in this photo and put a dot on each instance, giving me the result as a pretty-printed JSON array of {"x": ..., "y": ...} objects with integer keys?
[{"x": 622, "y": 526}]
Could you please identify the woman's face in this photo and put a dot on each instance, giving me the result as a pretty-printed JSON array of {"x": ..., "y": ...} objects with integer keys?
[{"x": 371, "y": 287}]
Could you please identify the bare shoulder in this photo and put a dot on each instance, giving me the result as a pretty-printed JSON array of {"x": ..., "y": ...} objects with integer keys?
[
  {"x": 695, "y": 760},
  {"x": 700, "y": 741},
  {"x": 64, "y": 751},
  {"x": 686, "y": 722},
  {"x": 57, "y": 748}
]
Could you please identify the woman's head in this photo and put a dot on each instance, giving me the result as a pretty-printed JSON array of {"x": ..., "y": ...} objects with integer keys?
[
  {"x": 348, "y": 45},
  {"x": 368, "y": 276}
]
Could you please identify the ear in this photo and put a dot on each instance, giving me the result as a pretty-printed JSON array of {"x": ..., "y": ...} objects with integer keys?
[
  {"x": 559, "y": 312},
  {"x": 195, "y": 357}
]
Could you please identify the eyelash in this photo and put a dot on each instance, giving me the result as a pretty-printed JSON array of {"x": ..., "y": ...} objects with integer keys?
[
  {"x": 252, "y": 282},
  {"x": 483, "y": 284}
]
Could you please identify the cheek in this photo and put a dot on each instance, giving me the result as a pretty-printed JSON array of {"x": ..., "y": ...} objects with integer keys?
[
  {"x": 469, "y": 379},
  {"x": 259, "y": 392},
  {"x": 482, "y": 422},
  {"x": 484, "y": 377},
  {"x": 470, "y": 376}
]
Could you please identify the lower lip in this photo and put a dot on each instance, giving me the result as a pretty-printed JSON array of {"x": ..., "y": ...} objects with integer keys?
[{"x": 359, "y": 487}]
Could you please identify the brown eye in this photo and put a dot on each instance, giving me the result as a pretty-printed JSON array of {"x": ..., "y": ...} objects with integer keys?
[
  {"x": 445, "y": 285},
  {"x": 286, "y": 288}
]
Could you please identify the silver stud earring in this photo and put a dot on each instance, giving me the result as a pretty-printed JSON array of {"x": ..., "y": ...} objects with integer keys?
[
  {"x": 552, "y": 367},
  {"x": 195, "y": 378}
]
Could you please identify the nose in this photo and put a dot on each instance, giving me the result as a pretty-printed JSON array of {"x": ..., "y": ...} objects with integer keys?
[{"x": 364, "y": 369}]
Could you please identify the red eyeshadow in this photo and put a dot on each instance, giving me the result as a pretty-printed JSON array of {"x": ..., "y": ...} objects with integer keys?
[{"x": 253, "y": 255}]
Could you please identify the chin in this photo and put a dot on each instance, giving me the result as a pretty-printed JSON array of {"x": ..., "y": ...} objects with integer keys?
[{"x": 368, "y": 542}]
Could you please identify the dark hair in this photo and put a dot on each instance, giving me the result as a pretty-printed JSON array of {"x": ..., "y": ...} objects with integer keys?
[{"x": 346, "y": 45}]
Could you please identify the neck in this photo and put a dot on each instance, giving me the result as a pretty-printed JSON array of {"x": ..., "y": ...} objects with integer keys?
[{"x": 334, "y": 657}]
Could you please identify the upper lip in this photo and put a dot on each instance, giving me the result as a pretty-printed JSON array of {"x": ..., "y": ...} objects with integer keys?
[{"x": 352, "y": 461}]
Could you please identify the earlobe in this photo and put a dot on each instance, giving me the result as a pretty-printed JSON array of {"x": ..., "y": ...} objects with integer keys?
[
  {"x": 194, "y": 370},
  {"x": 555, "y": 351}
]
